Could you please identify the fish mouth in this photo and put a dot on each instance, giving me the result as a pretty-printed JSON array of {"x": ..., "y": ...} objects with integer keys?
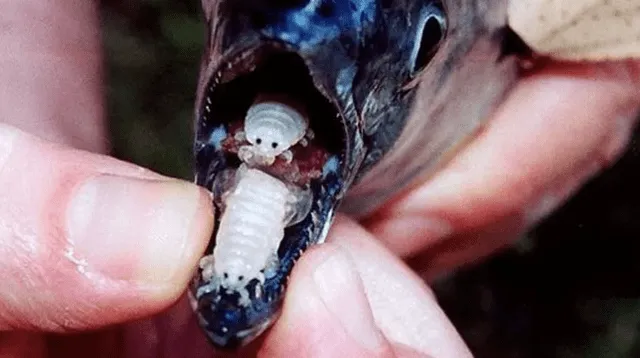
[{"x": 272, "y": 70}]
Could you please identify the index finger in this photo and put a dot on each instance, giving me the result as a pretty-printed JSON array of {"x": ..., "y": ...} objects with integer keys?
[
  {"x": 353, "y": 298},
  {"x": 87, "y": 240}
]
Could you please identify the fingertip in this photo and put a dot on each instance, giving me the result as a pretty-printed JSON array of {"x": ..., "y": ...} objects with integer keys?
[
  {"x": 557, "y": 128},
  {"x": 340, "y": 288},
  {"x": 124, "y": 249},
  {"x": 180, "y": 232},
  {"x": 427, "y": 229},
  {"x": 326, "y": 311},
  {"x": 404, "y": 308},
  {"x": 90, "y": 240},
  {"x": 150, "y": 233}
]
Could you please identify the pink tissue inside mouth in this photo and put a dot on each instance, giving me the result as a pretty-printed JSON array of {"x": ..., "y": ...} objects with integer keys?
[{"x": 306, "y": 165}]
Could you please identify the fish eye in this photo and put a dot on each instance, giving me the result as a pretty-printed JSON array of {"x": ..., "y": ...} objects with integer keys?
[
  {"x": 430, "y": 36},
  {"x": 259, "y": 140},
  {"x": 274, "y": 145}
]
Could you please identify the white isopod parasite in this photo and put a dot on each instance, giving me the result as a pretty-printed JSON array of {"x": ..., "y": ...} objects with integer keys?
[
  {"x": 257, "y": 209},
  {"x": 272, "y": 128}
]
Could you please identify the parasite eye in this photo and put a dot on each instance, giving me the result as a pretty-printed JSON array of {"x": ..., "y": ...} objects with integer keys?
[
  {"x": 274, "y": 145},
  {"x": 432, "y": 32},
  {"x": 259, "y": 141}
]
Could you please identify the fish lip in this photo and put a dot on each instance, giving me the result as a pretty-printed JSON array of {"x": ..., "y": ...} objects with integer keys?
[
  {"x": 240, "y": 338},
  {"x": 225, "y": 337},
  {"x": 231, "y": 339}
]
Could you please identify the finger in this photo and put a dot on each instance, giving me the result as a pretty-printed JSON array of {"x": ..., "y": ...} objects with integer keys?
[
  {"x": 557, "y": 128},
  {"x": 351, "y": 297},
  {"x": 50, "y": 82},
  {"x": 173, "y": 334},
  {"x": 405, "y": 309},
  {"x": 86, "y": 240},
  {"x": 466, "y": 247},
  {"x": 326, "y": 312},
  {"x": 21, "y": 345}
]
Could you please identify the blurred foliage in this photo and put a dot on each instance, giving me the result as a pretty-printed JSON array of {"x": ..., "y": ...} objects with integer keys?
[
  {"x": 153, "y": 50},
  {"x": 571, "y": 291}
]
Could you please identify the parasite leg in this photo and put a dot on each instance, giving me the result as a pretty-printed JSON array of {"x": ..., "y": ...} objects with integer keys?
[
  {"x": 240, "y": 136},
  {"x": 310, "y": 135},
  {"x": 249, "y": 155},
  {"x": 287, "y": 156},
  {"x": 246, "y": 153},
  {"x": 271, "y": 269},
  {"x": 206, "y": 264}
]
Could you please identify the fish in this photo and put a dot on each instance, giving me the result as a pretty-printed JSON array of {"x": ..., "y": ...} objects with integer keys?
[{"x": 391, "y": 90}]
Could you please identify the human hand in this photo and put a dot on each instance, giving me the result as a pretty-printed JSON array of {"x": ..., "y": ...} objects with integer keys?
[
  {"x": 561, "y": 125},
  {"x": 350, "y": 296}
]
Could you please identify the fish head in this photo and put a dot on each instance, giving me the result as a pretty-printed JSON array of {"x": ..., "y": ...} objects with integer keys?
[{"x": 385, "y": 84}]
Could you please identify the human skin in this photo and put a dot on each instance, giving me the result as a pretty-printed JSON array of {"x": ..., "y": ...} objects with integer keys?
[{"x": 95, "y": 253}]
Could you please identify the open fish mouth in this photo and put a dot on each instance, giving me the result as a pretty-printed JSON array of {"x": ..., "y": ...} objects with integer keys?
[
  {"x": 233, "y": 312},
  {"x": 302, "y": 102}
]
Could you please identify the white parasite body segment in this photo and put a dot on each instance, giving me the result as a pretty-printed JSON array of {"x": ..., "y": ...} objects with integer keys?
[
  {"x": 257, "y": 210},
  {"x": 271, "y": 128}
]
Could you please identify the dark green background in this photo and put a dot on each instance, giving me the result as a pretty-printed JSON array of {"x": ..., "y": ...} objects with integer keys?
[{"x": 569, "y": 289}]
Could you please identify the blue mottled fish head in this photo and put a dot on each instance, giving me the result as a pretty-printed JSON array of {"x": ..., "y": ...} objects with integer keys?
[
  {"x": 353, "y": 69},
  {"x": 363, "y": 57}
]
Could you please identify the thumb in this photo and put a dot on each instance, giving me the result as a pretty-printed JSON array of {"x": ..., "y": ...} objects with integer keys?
[{"x": 87, "y": 240}]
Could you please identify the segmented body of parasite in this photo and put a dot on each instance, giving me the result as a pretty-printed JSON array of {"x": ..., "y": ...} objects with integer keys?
[{"x": 256, "y": 208}]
